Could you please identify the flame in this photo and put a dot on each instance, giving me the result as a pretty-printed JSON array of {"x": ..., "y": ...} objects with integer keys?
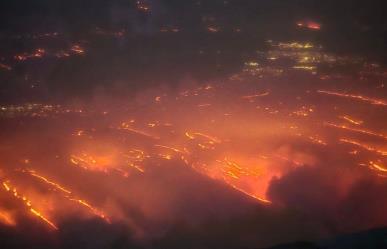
[
  {"x": 364, "y": 146},
  {"x": 367, "y": 132},
  {"x": 378, "y": 167},
  {"x": 255, "y": 95},
  {"x": 44, "y": 179},
  {"x": 356, "y": 97},
  {"x": 68, "y": 195},
  {"x": 36, "y": 213},
  {"x": 94, "y": 210},
  {"x": 211, "y": 139},
  {"x": 125, "y": 126},
  {"x": 28, "y": 204}
]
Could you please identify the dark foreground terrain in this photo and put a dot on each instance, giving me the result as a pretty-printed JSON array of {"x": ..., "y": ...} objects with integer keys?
[{"x": 372, "y": 239}]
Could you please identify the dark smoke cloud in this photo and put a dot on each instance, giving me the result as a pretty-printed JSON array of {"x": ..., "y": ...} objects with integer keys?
[{"x": 336, "y": 206}]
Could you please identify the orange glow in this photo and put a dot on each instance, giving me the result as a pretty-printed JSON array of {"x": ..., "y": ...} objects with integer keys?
[
  {"x": 352, "y": 120},
  {"x": 36, "y": 213},
  {"x": 95, "y": 211},
  {"x": 125, "y": 126},
  {"x": 317, "y": 140},
  {"x": 6, "y": 218},
  {"x": 67, "y": 194},
  {"x": 209, "y": 137},
  {"x": 367, "y": 132},
  {"x": 263, "y": 200},
  {"x": 28, "y": 204},
  {"x": 171, "y": 148},
  {"x": 245, "y": 133},
  {"x": 255, "y": 95},
  {"x": 364, "y": 146},
  {"x": 378, "y": 167},
  {"x": 356, "y": 97},
  {"x": 56, "y": 185}
]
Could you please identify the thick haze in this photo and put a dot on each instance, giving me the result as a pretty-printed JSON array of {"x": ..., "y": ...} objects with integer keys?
[{"x": 191, "y": 124}]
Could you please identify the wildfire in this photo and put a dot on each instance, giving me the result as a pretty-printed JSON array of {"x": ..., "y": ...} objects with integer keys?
[
  {"x": 95, "y": 211},
  {"x": 378, "y": 167},
  {"x": 67, "y": 194},
  {"x": 125, "y": 126},
  {"x": 217, "y": 129},
  {"x": 364, "y": 146},
  {"x": 352, "y": 120},
  {"x": 87, "y": 162},
  {"x": 211, "y": 139},
  {"x": 317, "y": 140},
  {"x": 36, "y": 213},
  {"x": 367, "y": 132},
  {"x": 249, "y": 97},
  {"x": 7, "y": 186},
  {"x": 171, "y": 148},
  {"x": 356, "y": 97},
  {"x": 44, "y": 179},
  {"x": 263, "y": 200}
]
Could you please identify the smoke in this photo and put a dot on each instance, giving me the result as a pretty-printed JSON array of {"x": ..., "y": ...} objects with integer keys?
[
  {"x": 157, "y": 158},
  {"x": 337, "y": 200}
]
